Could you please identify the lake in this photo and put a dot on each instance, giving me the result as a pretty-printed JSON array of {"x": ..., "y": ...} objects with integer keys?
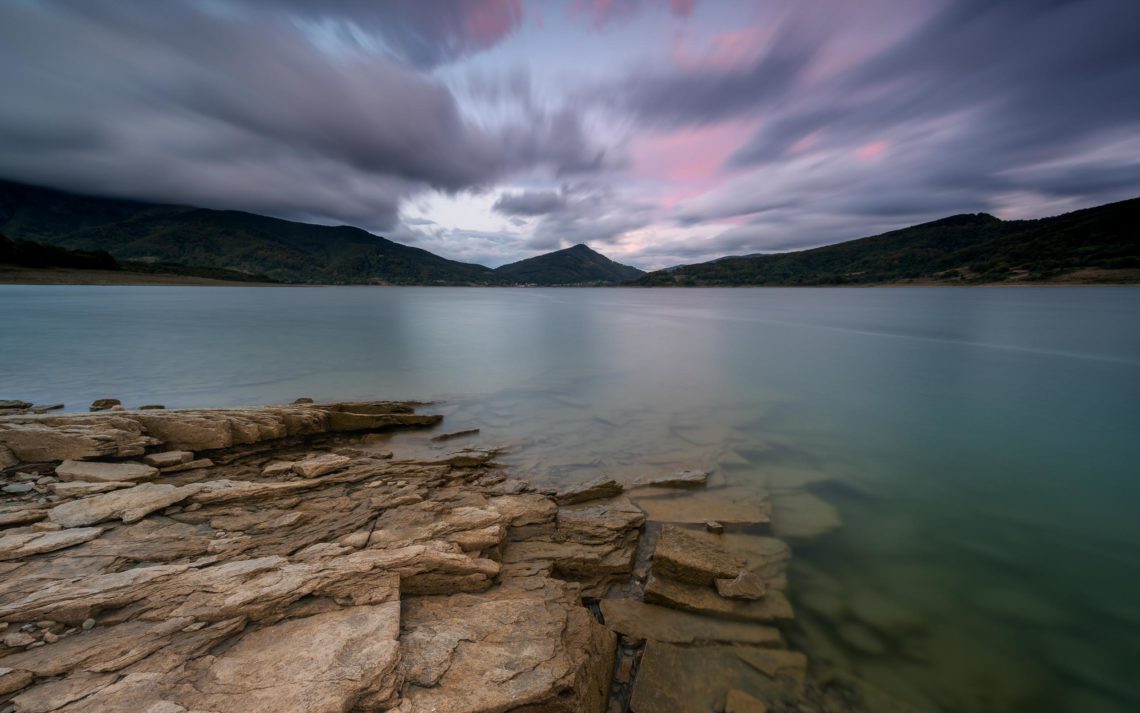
[{"x": 957, "y": 469}]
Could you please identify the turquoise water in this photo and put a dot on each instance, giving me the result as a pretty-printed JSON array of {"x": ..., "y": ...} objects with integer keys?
[{"x": 978, "y": 446}]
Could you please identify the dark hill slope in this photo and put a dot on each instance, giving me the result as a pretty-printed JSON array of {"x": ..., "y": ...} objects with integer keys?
[
  {"x": 578, "y": 265},
  {"x": 232, "y": 240},
  {"x": 1091, "y": 245}
]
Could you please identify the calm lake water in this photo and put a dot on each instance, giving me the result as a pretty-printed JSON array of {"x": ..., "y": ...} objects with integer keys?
[{"x": 958, "y": 469}]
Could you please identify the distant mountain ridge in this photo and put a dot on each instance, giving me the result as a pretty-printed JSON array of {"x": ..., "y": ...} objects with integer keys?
[
  {"x": 240, "y": 243},
  {"x": 577, "y": 265},
  {"x": 1100, "y": 244}
]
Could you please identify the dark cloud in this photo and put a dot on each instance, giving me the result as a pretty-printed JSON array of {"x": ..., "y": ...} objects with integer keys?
[
  {"x": 530, "y": 203},
  {"x": 179, "y": 102},
  {"x": 422, "y": 33},
  {"x": 712, "y": 93}
]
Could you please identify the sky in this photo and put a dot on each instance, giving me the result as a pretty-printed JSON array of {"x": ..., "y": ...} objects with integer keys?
[{"x": 658, "y": 132}]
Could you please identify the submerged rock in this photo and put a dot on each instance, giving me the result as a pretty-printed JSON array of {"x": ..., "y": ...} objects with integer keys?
[
  {"x": 773, "y": 606},
  {"x": 678, "y": 479},
  {"x": 638, "y": 620}
]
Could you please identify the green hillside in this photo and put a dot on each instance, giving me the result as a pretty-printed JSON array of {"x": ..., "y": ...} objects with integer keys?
[{"x": 1099, "y": 244}]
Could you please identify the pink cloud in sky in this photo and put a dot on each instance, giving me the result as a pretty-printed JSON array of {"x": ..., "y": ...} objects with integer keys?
[
  {"x": 488, "y": 21},
  {"x": 725, "y": 50},
  {"x": 603, "y": 12},
  {"x": 872, "y": 150},
  {"x": 690, "y": 155}
]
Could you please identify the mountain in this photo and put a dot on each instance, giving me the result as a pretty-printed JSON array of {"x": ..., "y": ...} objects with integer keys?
[
  {"x": 1099, "y": 244},
  {"x": 578, "y": 265},
  {"x": 222, "y": 239}
]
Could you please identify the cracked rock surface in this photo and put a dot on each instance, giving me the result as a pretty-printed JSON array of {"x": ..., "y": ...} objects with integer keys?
[{"x": 351, "y": 580}]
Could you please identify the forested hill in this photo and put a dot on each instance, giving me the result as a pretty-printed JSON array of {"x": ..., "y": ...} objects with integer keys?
[
  {"x": 231, "y": 240},
  {"x": 578, "y": 265},
  {"x": 1099, "y": 244}
]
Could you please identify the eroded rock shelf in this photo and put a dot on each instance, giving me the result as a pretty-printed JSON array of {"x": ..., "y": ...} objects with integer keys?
[{"x": 293, "y": 558}]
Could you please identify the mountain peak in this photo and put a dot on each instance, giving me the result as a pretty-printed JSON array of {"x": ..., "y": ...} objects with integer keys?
[{"x": 575, "y": 265}]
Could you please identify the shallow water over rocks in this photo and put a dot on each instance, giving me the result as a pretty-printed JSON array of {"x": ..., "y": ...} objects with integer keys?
[{"x": 954, "y": 468}]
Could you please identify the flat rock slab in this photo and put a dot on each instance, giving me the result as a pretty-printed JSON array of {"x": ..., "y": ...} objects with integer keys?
[
  {"x": 595, "y": 489},
  {"x": 33, "y": 543},
  {"x": 129, "y": 505},
  {"x": 168, "y": 458},
  {"x": 745, "y": 585},
  {"x": 741, "y": 702},
  {"x": 73, "y": 470},
  {"x": 326, "y": 663},
  {"x": 511, "y": 648},
  {"x": 677, "y": 479},
  {"x": 801, "y": 515},
  {"x": 639, "y": 620},
  {"x": 79, "y": 489},
  {"x": 676, "y": 679},
  {"x": 315, "y": 466},
  {"x": 693, "y": 557},
  {"x": 703, "y": 600},
  {"x": 727, "y": 506}
]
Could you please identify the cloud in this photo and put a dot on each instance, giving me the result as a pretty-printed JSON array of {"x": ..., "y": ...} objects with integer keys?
[
  {"x": 605, "y": 12},
  {"x": 420, "y": 33},
  {"x": 530, "y": 203},
  {"x": 182, "y": 103}
]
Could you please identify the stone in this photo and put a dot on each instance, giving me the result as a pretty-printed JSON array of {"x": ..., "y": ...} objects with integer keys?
[
  {"x": 303, "y": 400},
  {"x": 88, "y": 624},
  {"x": 14, "y": 404},
  {"x": 104, "y": 404},
  {"x": 729, "y": 506},
  {"x": 151, "y": 407},
  {"x": 21, "y": 516},
  {"x": 512, "y": 648},
  {"x": 639, "y": 620},
  {"x": 738, "y": 701},
  {"x": 277, "y": 468},
  {"x": 677, "y": 479},
  {"x": 318, "y": 664},
  {"x": 25, "y": 545},
  {"x": 801, "y": 515},
  {"x": 690, "y": 556},
  {"x": 129, "y": 505},
  {"x": 676, "y": 679},
  {"x": 166, "y": 459},
  {"x": 18, "y": 639},
  {"x": 44, "y": 408},
  {"x": 714, "y": 527},
  {"x": 79, "y": 489},
  {"x": 53, "y": 695},
  {"x": 455, "y": 434},
  {"x": 596, "y": 489},
  {"x": 773, "y": 606},
  {"x": 315, "y": 466},
  {"x": 745, "y": 585},
  {"x": 7, "y": 458},
  {"x": 71, "y": 470},
  {"x": 56, "y": 438},
  {"x": 188, "y": 465},
  {"x": 17, "y": 488},
  {"x": 13, "y": 680}
]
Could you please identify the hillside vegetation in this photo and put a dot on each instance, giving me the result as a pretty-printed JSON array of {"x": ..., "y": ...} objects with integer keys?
[{"x": 1099, "y": 244}]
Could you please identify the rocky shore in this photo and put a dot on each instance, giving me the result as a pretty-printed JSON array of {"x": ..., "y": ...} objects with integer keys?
[{"x": 303, "y": 558}]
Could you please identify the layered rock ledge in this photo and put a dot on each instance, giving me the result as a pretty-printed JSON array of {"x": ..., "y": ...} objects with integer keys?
[{"x": 294, "y": 558}]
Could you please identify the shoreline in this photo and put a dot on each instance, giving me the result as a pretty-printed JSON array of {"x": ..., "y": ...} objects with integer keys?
[{"x": 286, "y": 531}]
